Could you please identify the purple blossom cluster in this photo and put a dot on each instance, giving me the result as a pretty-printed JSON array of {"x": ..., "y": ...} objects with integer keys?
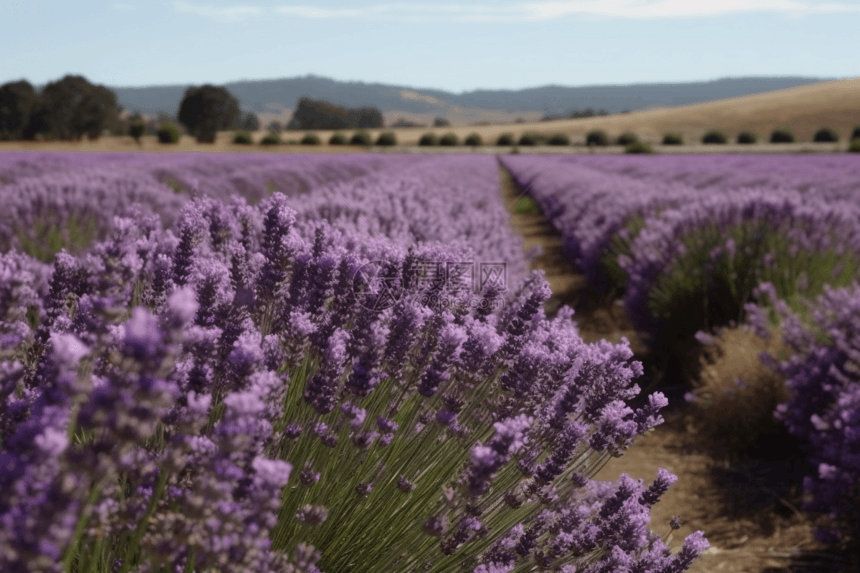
[
  {"x": 230, "y": 395},
  {"x": 687, "y": 259},
  {"x": 823, "y": 378},
  {"x": 829, "y": 176},
  {"x": 57, "y": 200}
]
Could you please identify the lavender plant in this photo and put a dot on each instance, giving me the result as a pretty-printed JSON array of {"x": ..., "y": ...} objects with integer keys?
[
  {"x": 685, "y": 259},
  {"x": 68, "y": 200},
  {"x": 823, "y": 408},
  {"x": 240, "y": 393}
]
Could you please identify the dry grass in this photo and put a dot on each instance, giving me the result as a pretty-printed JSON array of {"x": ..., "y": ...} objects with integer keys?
[
  {"x": 736, "y": 397},
  {"x": 804, "y": 109}
]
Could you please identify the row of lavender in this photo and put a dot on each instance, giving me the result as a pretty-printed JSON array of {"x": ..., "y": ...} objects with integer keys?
[
  {"x": 694, "y": 243},
  {"x": 267, "y": 388},
  {"x": 54, "y": 200}
]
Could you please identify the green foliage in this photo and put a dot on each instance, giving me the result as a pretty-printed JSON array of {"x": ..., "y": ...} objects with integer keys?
[
  {"x": 613, "y": 277},
  {"x": 526, "y": 206},
  {"x": 559, "y": 139},
  {"x": 310, "y": 139},
  {"x": 243, "y": 138},
  {"x": 747, "y": 137},
  {"x": 136, "y": 129},
  {"x": 505, "y": 139},
  {"x": 45, "y": 238},
  {"x": 673, "y": 139},
  {"x": 474, "y": 140},
  {"x": 428, "y": 139},
  {"x": 318, "y": 114},
  {"x": 206, "y": 109},
  {"x": 365, "y": 117},
  {"x": 638, "y": 147},
  {"x": 856, "y": 133},
  {"x": 387, "y": 139},
  {"x": 708, "y": 286},
  {"x": 361, "y": 138},
  {"x": 627, "y": 138},
  {"x": 71, "y": 108},
  {"x": 826, "y": 135},
  {"x": 597, "y": 137},
  {"x": 272, "y": 138},
  {"x": 168, "y": 132},
  {"x": 715, "y": 136},
  {"x": 528, "y": 139},
  {"x": 337, "y": 139},
  {"x": 18, "y": 102},
  {"x": 449, "y": 140},
  {"x": 782, "y": 135},
  {"x": 854, "y": 146},
  {"x": 249, "y": 122}
]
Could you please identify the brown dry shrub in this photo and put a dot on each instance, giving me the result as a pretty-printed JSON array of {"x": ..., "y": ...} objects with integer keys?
[{"x": 735, "y": 397}]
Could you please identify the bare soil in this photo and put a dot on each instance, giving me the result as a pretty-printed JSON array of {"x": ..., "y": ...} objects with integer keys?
[{"x": 748, "y": 510}]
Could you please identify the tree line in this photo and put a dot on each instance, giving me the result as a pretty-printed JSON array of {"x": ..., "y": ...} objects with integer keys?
[{"x": 72, "y": 108}]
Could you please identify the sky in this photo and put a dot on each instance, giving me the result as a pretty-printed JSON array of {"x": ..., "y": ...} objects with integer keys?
[{"x": 471, "y": 44}]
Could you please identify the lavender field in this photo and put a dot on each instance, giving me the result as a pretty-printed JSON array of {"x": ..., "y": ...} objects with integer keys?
[
  {"x": 697, "y": 245},
  {"x": 301, "y": 364}
]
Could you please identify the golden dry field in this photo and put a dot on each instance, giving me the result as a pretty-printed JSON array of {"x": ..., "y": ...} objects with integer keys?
[{"x": 803, "y": 109}]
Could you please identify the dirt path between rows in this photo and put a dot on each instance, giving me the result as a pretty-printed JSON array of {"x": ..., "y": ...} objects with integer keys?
[{"x": 746, "y": 510}]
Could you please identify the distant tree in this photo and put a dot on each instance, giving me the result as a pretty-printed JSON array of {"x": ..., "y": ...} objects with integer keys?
[
  {"x": 365, "y": 117},
  {"x": 529, "y": 139},
  {"x": 271, "y": 138},
  {"x": 441, "y": 122},
  {"x": 627, "y": 138},
  {"x": 360, "y": 137},
  {"x": 597, "y": 137},
  {"x": 474, "y": 140},
  {"x": 405, "y": 123},
  {"x": 638, "y": 147},
  {"x": 558, "y": 139},
  {"x": 337, "y": 139},
  {"x": 673, "y": 139},
  {"x": 449, "y": 139},
  {"x": 136, "y": 129},
  {"x": 310, "y": 139},
  {"x": 505, "y": 139},
  {"x": 386, "y": 138},
  {"x": 782, "y": 135},
  {"x": 428, "y": 139},
  {"x": 826, "y": 135},
  {"x": 206, "y": 109},
  {"x": 243, "y": 138},
  {"x": 73, "y": 107},
  {"x": 275, "y": 126},
  {"x": 715, "y": 136},
  {"x": 312, "y": 114},
  {"x": 856, "y": 133},
  {"x": 747, "y": 137},
  {"x": 18, "y": 101},
  {"x": 249, "y": 122},
  {"x": 168, "y": 132}
]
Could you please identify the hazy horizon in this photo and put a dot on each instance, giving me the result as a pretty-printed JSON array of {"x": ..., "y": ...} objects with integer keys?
[{"x": 457, "y": 48}]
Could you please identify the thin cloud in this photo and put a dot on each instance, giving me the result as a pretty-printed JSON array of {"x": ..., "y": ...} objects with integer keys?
[
  {"x": 123, "y": 6},
  {"x": 542, "y": 11},
  {"x": 228, "y": 14}
]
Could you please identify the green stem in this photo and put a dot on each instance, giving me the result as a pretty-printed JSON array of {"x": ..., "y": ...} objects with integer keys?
[{"x": 73, "y": 548}]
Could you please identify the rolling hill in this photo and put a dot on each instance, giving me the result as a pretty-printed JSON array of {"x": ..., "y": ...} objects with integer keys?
[{"x": 275, "y": 98}]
